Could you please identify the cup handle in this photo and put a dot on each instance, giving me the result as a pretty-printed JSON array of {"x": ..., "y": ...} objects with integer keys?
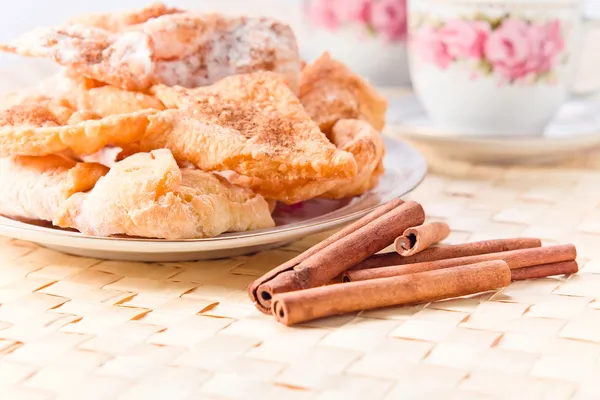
[{"x": 585, "y": 94}]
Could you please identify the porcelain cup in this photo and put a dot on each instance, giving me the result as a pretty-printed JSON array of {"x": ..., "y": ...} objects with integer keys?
[
  {"x": 493, "y": 67},
  {"x": 367, "y": 35}
]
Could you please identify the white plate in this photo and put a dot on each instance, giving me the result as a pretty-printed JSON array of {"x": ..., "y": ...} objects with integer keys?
[
  {"x": 576, "y": 128},
  {"x": 405, "y": 168}
]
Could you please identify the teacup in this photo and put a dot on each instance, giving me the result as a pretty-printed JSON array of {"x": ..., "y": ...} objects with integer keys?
[
  {"x": 367, "y": 35},
  {"x": 493, "y": 67}
]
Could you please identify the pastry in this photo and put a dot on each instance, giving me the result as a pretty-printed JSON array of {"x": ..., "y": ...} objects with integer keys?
[
  {"x": 57, "y": 86},
  {"x": 148, "y": 195},
  {"x": 178, "y": 125},
  {"x": 330, "y": 91},
  {"x": 35, "y": 187},
  {"x": 187, "y": 49},
  {"x": 120, "y": 21},
  {"x": 253, "y": 125},
  {"x": 41, "y": 126},
  {"x": 85, "y": 94},
  {"x": 366, "y": 145}
]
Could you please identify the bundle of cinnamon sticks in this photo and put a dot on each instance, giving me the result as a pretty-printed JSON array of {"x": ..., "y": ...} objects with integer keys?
[{"x": 344, "y": 274}]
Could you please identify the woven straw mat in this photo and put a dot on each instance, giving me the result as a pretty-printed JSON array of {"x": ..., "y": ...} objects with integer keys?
[{"x": 79, "y": 328}]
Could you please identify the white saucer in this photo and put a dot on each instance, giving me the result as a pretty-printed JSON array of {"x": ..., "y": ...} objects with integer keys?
[
  {"x": 405, "y": 168},
  {"x": 575, "y": 129}
]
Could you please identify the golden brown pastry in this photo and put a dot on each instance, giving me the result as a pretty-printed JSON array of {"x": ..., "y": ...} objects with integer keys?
[
  {"x": 109, "y": 100},
  {"x": 253, "y": 125},
  {"x": 148, "y": 195},
  {"x": 71, "y": 115},
  {"x": 40, "y": 126},
  {"x": 187, "y": 49},
  {"x": 330, "y": 91},
  {"x": 35, "y": 187},
  {"x": 304, "y": 189},
  {"x": 84, "y": 94},
  {"x": 56, "y": 86},
  {"x": 366, "y": 144},
  {"x": 186, "y": 125}
]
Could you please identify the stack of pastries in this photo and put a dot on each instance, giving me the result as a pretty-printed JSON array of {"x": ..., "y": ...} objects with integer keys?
[{"x": 170, "y": 124}]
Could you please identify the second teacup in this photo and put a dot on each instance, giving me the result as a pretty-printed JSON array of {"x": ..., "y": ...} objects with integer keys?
[{"x": 493, "y": 67}]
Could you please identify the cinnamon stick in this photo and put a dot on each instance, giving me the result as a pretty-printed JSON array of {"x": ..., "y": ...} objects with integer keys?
[
  {"x": 544, "y": 270},
  {"x": 416, "y": 239},
  {"x": 362, "y": 239},
  {"x": 449, "y": 251},
  {"x": 264, "y": 304},
  {"x": 515, "y": 259},
  {"x": 305, "y": 305}
]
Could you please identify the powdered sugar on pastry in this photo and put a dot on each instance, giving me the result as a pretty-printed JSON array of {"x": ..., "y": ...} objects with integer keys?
[
  {"x": 107, "y": 156},
  {"x": 148, "y": 195},
  {"x": 134, "y": 53},
  {"x": 200, "y": 49},
  {"x": 238, "y": 45},
  {"x": 187, "y": 49},
  {"x": 35, "y": 187},
  {"x": 120, "y": 59}
]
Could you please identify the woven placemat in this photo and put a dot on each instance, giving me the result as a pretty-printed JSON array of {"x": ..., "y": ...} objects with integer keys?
[
  {"x": 82, "y": 328},
  {"x": 79, "y": 328}
]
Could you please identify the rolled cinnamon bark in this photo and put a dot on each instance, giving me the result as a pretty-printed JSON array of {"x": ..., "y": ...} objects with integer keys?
[
  {"x": 544, "y": 270},
  {"x": 449, "y": 251},
  {"x": 322, "y": 266},
  {"x": 416, "y": 239},
  {"x": 305, "y": 305},
  {"x": 515, "y": 259},
  {"x": 264, "y": 304}
]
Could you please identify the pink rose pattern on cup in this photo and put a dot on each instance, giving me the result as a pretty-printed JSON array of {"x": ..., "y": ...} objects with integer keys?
[
  {"x": 511, "y": 49},
  {"x": 385, "y": 18}
]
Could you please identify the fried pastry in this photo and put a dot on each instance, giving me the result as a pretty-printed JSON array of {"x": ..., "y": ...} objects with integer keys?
[
  {"x": 120, "y": 21},
  {"x": 70, "y": 115},
  {"x": 41, "y": 126},
  {"x": 35, "y": 187},
  {"x": 148, "y": 195},
  {"x": 109, "y": 100},
  {"x": 56, "y": 86},
  {"x": 253, "y": 125},
  {"x": 357, "y": 137},
  {"x": 330, "y": 91},
  {"x": 187, "y": 49},
  {"x": 85, "y": 94},
  {"x": 305, "y": 189},
  {"x": 366, "y": 144}
]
